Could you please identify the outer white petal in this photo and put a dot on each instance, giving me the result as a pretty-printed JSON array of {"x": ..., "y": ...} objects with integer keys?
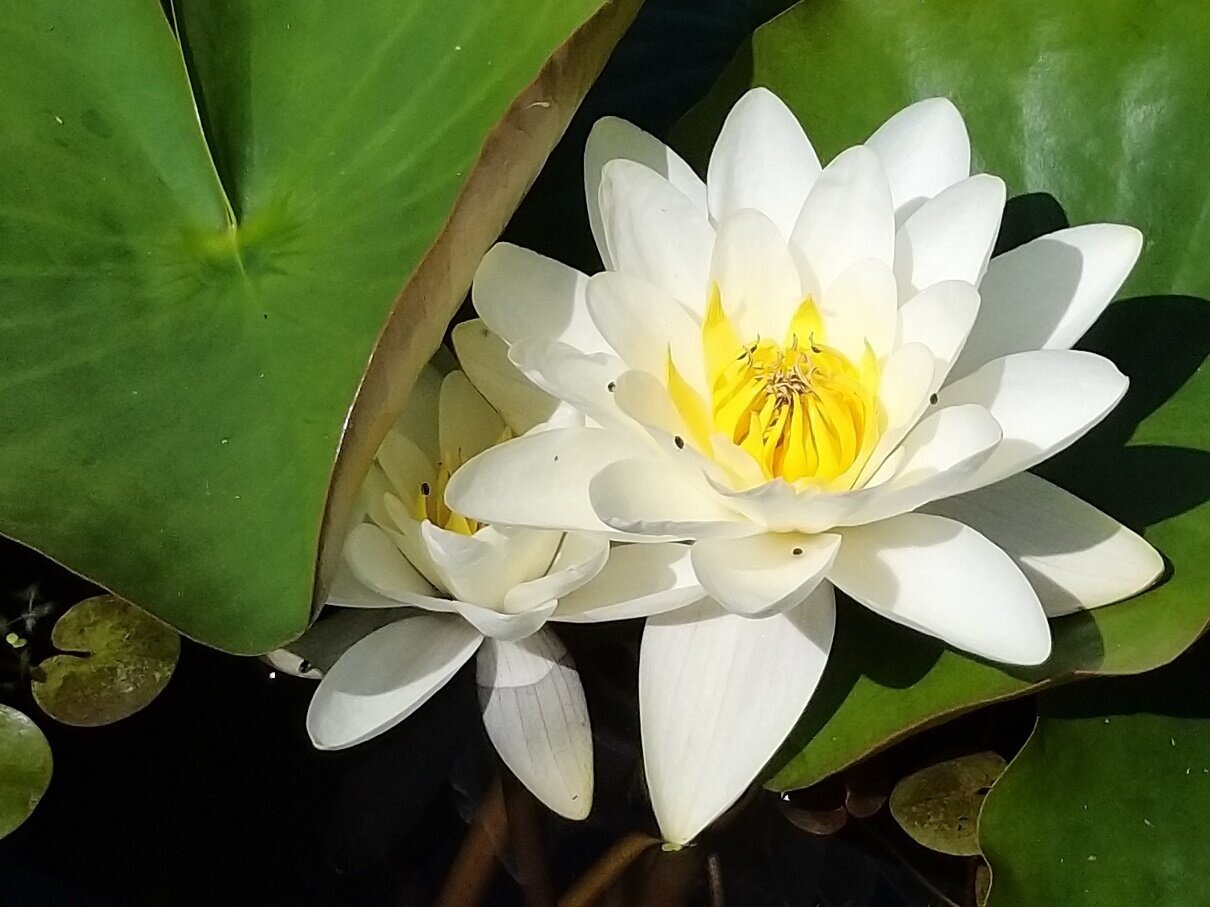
[
  {"x": 763, "y": 574},
  {"x": 541, "y": 479},
  {"x": 846, "y": 218},
  {"x": 924, "y": 148},
  {"x": 642, "y": 323},
  {"x": 615, "y": 138},
  {"x": 637, "y": 581},
  {"x": 1046, "y": 293},
  {"x": 385, "y": 677},
  {"x": 941, "y": 318},
  {"x": 580, "y": 557},
  {"x": 1074, "y": 556},
  {"x": 484, "y": 358},
  {"x": 946, "y": 580},
  {"x": 468, "y": 423},
  {"x": 755, "y": 274},
  {"x": 762, "y": 160},
  {"x": 653, "y": 230},
  {"x": 521, "y": 295},
  {"x": 860, "y": 306},
  {"x": 1044, "y": 400},
  {"x": 651, "y": 497},
  {"x": 483, "y": 568},
  {"x": 718, "y": 694},
  {"x": 535, "y": 714},
  {"x": 778, "y": 506},
  {"x": 951, "y": 236}
]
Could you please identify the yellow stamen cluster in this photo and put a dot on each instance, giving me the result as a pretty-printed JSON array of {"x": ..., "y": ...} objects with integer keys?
[
  {"x": 429, "y": 504},
  {"x": 801, "y": 409}
]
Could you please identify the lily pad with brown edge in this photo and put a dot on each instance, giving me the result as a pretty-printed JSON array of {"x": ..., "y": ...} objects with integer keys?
[
  {"x": 119, "y": 659},
  {"x": 230, "y": 238},
  {"x": 25, "y": 768},
  {"x": 939, "y": 805},
  {"x": 1095, "y": 113}
]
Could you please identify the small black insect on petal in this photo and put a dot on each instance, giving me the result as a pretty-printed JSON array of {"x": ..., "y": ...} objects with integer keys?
[
  {"x": 679, "y": 442},
  {"x": 424, "y": 489},
  {"x": 797, "y": 552},
  {"x": 932, "y": 398}
]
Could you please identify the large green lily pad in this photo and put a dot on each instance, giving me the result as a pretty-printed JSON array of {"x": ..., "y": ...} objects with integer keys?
[
  {"x": 1107, "y": 803},
  {"x": 1102, "y": 107},
  {"x": 122, "y": 658},
  {"x": 199, "y": 250},
  {"x": 25, "y": 766}
]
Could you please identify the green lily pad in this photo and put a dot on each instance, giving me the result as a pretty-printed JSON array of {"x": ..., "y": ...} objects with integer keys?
[
  {"x": 25, "y": 767},
  {"x": 1101, "y": 106},
  {"x": 1107, "y": 802},
  {"x": 126, "y": 658},
  {"x": 939, "y": 805},
  {"x": 200, "y": 247}
]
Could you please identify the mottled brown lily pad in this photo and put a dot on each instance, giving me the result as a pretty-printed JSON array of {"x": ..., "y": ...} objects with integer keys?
[
  {"x": 25, "y": 766},
  {"x": 938, "y": 806},
  {"x": 120, "y": 659}
]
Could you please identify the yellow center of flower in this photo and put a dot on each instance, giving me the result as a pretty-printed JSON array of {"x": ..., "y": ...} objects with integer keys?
[
  {"x": 800, "y": 408},
  {"x": 429, "y": 504}
]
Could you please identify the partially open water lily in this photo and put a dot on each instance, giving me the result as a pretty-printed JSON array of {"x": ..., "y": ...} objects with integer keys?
[
  {"x": 819, "y": 377},
  {"x": 483, "y": 591}
]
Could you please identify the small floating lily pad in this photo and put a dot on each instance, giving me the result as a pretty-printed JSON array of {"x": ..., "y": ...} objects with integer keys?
[
  {"x": 121, "y": 658},
  {"x": 939, "y": 806},
  {"x": 25, "y": 766}
]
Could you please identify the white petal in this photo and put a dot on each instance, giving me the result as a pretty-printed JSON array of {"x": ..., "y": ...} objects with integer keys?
[
  {"x": 1044, "y": 400},
  {"x": 377, "y": 564},
  {"x": 946, "y": 580},
  {"x": 938, "y": 456},
  {"x": 951, "y": 236},
  {"x": 778, "y": 506},
  {"x": 862, "y": 305},
  {"x": 405, "y": 465},
  {"x": 757, "y": 279},
  {"x": 347, "y": 591},
  {"x": 653, "y": 230},
  {"x": 637, "y": 581},
  {"x": 539, "y": 480},
  {"x": 1074, "y": 556},
  {"x": 652, "y": 497},
  {"x": 499, "y": 625},
  {"x": 924, "y": 148},
  {"x": 468, "y": 423},
  {"x": 643, "y": 323},
  {"x": 847, "y": 217},
  {"x": 941, "y": 318},
  {"x": 418, "y": 421},
  {"x": 482, "y": 568},
  {"x": 521, "y": 295},
  {"x": 385, "y": 677},
  {"x": 763, "y": 574},
  {"x": 762, "y": 160},
  {"x": 613, "y": 138},
  {"x": 1046, "y": 293},
  {"x": 484, "y": 358},
  {"x": 718, "y": 694},
  {"x": 535, "y": 714},
  {"x": 580, "y": 379},
  {"x": 580, "y": 557},
  {"x": 903, "y": 396}
]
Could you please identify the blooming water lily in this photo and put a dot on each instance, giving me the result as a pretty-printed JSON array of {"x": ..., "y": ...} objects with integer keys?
[
  {"x": 821, "y": 379},
  {"x": 483, "y": 591}
]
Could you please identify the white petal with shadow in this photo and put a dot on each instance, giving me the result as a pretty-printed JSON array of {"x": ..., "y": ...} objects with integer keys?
[{"x": 718, "y": 694}]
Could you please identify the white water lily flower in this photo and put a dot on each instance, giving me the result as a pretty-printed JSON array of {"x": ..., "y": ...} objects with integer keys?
[
  {"x": 484, "y": 591},
  {"x": 816, "y": 375}
]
